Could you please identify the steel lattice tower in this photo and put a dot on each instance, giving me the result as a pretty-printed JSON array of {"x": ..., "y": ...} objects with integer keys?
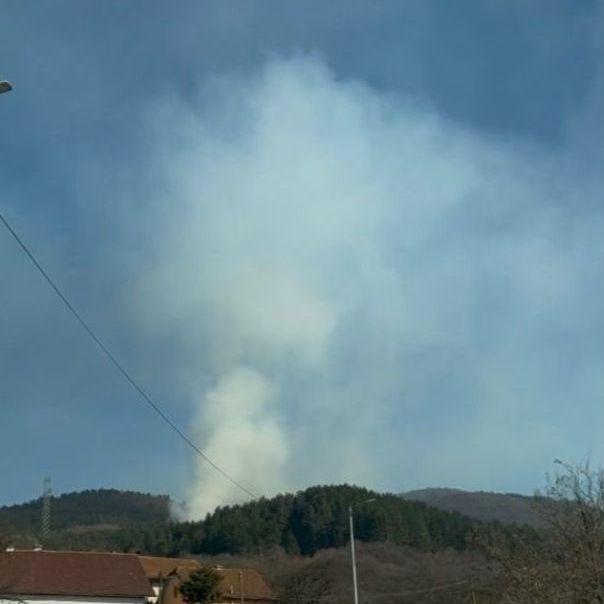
[{"x": 46, "y": 495}]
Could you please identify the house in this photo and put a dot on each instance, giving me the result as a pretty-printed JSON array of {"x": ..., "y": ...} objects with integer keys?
[
  {"x": 48, "y": 577},
  {"x": 166, "y": 575},
  {"x": 158, "y": 570},
  {"x": 243, "y": 585}
]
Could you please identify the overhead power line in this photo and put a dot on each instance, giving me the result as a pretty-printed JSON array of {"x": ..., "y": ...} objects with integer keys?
[
  {"x": 395, "y": 594},
  {"x": 414, "y": 592},
  {"x": 146, "y": 398}
]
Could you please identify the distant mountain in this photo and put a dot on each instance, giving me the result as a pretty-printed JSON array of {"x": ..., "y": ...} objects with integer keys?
[{"x": 503, "y": 507}]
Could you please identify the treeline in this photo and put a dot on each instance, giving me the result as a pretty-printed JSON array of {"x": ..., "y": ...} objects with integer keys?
[{"x": 303, "y": 524}]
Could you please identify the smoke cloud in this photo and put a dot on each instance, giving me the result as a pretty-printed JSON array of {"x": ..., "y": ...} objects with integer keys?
[
  {"x": 367, "y": 291},
  {"x": 240, "y": 411}
]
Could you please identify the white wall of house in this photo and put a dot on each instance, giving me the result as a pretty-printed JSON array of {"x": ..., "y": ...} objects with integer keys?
[
  {"x": 156, "y": 586},
  {"x": 25, "y": 599}
]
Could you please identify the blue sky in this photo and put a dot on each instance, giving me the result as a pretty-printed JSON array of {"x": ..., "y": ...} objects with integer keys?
[{"x": 344, "y": 241}]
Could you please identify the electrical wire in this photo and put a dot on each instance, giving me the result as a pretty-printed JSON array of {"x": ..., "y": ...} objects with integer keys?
[
  {"x": 399, "y": 594},
  {"x": 414, "y": 592},
  {"x": 148, "y": 400}
]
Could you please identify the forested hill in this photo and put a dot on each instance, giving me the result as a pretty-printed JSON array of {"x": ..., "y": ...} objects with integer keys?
[
  {"x": 300, "y": 523},
  {"x": 103, "y": 507},
  {"x": 317, "y": 518}
]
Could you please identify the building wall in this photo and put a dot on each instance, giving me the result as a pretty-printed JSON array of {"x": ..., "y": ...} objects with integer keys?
[
  {"x": 248, "y": 601},
  {"x": 70, "y": 600},
  {"x": 156, "y": 586}
]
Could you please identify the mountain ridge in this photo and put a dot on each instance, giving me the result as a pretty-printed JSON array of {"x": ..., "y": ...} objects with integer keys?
[
  {"x": 303, "y": 523},
  {"x": 486, "y": 506}
]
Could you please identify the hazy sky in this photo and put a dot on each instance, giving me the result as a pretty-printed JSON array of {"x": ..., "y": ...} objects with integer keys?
[{"x": 343, "y": 241}]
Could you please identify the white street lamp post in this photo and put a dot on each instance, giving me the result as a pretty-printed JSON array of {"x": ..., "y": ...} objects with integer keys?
[
  {"x": 352, "y": 551},
  {"x": 352, "y": 555}
]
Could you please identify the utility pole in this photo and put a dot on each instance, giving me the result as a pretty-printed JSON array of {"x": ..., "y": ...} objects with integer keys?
[
  {"x": 46, "y": 495},
  {"x": 352, "y": 552},
  {"x": 241, "y": 586}
]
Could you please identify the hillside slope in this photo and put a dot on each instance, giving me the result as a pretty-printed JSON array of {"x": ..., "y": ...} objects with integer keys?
[
  {"x": 387, "y": 573},
  {"x": 503, "y": 507},
  {"x": 103, "y": 508}
]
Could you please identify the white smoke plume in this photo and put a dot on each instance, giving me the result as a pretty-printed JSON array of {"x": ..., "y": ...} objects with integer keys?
[
  {"x": 358, "y": 282},
  {"x": 238, "y": 426}
]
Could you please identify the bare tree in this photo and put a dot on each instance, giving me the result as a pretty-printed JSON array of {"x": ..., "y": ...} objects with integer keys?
[{"x": 565, "y": 564}]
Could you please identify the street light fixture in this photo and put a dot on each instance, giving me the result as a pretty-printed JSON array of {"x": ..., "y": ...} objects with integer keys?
[
  {"x": 352, "y": 552},
  {"x": 5, "y": 87}
]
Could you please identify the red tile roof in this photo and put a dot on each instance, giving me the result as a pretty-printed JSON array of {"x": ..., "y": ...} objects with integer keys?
[
  {"x": 72, "y": 574},
  {"x": 234, "y": 581},
  {"x": 159, "y": 568}
]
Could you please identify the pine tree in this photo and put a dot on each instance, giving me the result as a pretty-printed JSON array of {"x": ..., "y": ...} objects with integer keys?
[{"x": 201, "y": 587}]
